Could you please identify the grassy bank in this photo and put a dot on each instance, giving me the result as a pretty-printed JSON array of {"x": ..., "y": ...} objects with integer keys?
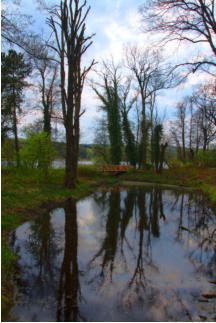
[
  {"x": 203, "y": 179},
  {"x": 25, "y": 194}
]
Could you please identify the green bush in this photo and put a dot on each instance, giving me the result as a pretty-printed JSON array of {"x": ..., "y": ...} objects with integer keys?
[
  {"x": 38, "y": 153},
  {"x": 8, "y": 153},
  {"x": 174, "y": 163},
  {"x": 206, "y": 158}
]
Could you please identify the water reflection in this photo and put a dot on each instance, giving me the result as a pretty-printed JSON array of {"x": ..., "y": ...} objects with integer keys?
[
  {"x": 69, "y": 287},
  {"x": 119, "y": 255}
]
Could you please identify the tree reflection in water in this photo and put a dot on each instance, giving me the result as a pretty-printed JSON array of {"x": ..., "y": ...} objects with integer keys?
[
  {"x": 118, "y": 220},
  {"x": 69, "y": 292},
  {"x": 146, "y": 206},
  {"x": 42, "y": 247},
  {"x": 109, "y": 245},
  {"x": 123, "y": 267}
]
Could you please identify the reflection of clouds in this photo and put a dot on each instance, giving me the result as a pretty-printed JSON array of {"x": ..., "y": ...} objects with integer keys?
[
  {"x": 90, "y": 231},
  {"x": 164, "y": 276}
]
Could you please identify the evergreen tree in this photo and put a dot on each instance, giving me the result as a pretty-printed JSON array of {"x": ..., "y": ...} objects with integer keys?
[{"x": 14, "y": 71}]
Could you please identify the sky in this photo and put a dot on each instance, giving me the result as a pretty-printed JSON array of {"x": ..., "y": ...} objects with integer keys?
[{"x": 116, "y": 24}]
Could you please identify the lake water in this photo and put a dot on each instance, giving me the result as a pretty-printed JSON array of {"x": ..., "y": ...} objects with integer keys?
[
  {"x": 138, "y": 253},
  {"x": 61, "y": 163}
]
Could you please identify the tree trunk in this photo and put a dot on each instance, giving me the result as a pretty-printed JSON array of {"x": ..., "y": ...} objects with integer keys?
[
  {"x": 204, "y": 139},
  {"x": 16, "y": 140},
  {"x": 47, "y": 120},
  {"x": 162, "y": 154},
  {"x": 71, "y": 165},
  {"x": 183, "y": 141},
  {"x": 144, "y": 134}
]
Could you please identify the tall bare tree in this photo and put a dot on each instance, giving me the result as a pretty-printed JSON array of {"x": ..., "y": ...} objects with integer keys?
[
  {"x": 146, "y": 67},
  {"x": 205, "y": 100},
  {"x": 183, "y": 20},
  {"x": 67, "y": 22}
]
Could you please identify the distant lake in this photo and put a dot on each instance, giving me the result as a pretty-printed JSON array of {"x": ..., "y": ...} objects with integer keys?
[
  {"x": 61, "y": 163},
  {"x": 136, "y": 253}
]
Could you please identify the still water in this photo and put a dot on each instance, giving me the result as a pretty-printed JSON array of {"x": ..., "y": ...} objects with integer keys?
[{"x": 139, "y": 253}]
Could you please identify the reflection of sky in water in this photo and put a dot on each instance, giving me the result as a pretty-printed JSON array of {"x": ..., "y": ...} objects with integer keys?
[{"x": 134, "y": 263}]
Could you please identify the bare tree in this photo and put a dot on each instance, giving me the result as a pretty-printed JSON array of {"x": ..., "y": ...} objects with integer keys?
[
  {"x": 183, "y": 20},
  {"x": 181, "y": 117},
  {"x": 146, "y": 66},
  {"x": 49, "y": 89},
  {"x": 207, "y": 128},
  {"x": 16, "y": 31},
  {"x": 195, "y": 121},
  {"x": 67, "y": 22},
  {"x": 206, "y": 95}
]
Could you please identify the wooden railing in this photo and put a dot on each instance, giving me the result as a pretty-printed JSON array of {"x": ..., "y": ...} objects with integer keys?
[{"x": 115, "y": 169}]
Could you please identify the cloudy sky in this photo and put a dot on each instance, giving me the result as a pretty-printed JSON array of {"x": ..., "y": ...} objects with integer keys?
[{"x": 117, "y": 24}]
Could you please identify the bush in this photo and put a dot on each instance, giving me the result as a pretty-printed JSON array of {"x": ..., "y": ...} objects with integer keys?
[
  {"x": 206, "y": 158},
  {"x": 8, "y": 153},
  {"x": 174, "y": 163},
  {"x": 38, "y": 153}
]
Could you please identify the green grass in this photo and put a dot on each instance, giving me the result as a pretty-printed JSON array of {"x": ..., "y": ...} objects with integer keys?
[
  {"x": 183, "y": 176},
  {"x": 24, "y": 191}
]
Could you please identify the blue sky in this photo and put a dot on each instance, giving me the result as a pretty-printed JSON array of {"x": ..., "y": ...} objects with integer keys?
[{"x": 116, "y": 24}]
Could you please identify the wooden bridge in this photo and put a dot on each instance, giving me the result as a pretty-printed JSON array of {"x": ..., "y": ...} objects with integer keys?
[{"x": 115, "y": 169}]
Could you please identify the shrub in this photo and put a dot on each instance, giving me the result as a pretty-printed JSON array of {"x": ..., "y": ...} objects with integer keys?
[
  {"x": 174, "y": 163},
  {"x": 206, "y": 158},
  {"x": 39, "y": 152},
  {"x": 8, "y": 153}
]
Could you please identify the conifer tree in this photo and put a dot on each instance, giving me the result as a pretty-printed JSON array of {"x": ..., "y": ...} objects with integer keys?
[{"x": 14, "y": 71}]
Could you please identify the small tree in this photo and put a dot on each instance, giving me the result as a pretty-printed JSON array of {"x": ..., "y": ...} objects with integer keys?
[
  {"x": 101, "y": 142},
  {"x": 38, "y": 153}
]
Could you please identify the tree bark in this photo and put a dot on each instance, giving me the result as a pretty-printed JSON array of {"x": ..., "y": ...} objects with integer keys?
[{"x": 16, "y": 140}]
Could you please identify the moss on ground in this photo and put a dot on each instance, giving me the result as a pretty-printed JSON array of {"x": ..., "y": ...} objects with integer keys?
[{"x": 25, "y": 193}]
